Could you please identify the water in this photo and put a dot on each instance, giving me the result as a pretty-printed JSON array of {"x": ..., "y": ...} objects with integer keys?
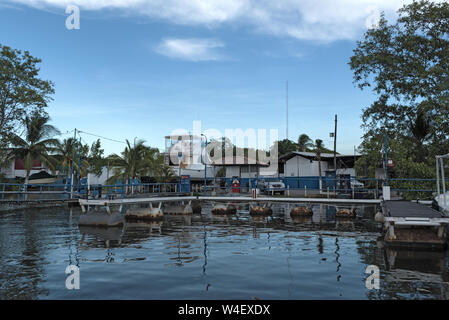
[{"x": 211, "y": 257}]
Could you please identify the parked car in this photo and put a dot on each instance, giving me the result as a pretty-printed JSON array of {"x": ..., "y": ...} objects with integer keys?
[
  {"x": 271, "y": 186},
  {"x": 355, "y": 184}
]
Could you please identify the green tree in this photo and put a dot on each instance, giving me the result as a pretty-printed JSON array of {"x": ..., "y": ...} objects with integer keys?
[
  {"x": 164, "y": 173},
  {"x": 38, "y": 143},
  {"x": 221, "y": 173},
  {"x": 63, "y": 153},
  {"x": 95, "y": 158},
  {"x": 286, "y": 146},
  {"x": 304, "y": 142},
  {"x": 135, "y": 161},
  {"x": 406, "y": 65},
  {"x": 22, "y": 92}
]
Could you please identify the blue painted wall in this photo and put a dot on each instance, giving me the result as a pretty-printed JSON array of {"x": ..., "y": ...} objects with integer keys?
[{"x": 292, "y": 182}]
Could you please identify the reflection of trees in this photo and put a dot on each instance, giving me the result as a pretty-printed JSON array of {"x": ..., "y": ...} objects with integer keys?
[
  {"x": 406, "y": 273},
  {"x": 22, "y": 238}
]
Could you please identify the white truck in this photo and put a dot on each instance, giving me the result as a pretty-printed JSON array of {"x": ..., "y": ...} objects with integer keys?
[{"x": 272, "y": 187}]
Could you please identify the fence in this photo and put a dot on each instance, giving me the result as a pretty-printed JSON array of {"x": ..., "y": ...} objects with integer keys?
[
  {"x": 11, "y": 192},
  {"x": 408, "y": 188}
]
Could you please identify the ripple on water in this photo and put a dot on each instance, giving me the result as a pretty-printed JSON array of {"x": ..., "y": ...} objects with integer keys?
[{"x": 209, "y": 257}]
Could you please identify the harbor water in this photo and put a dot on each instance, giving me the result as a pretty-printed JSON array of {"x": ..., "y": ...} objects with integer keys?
[{"x": 204, "y": 256}]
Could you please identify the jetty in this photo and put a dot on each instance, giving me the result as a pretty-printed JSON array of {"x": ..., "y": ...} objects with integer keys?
[
  {"x": 407, "y": 223},
  {"x": 404, "y": 223},
  {"x": 105, "y": 202}
]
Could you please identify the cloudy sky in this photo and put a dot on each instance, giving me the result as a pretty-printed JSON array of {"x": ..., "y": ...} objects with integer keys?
[{"x": 143, "y": 68}]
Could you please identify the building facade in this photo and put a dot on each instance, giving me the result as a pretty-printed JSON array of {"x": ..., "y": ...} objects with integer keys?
[{"x": 301, "y": 169}]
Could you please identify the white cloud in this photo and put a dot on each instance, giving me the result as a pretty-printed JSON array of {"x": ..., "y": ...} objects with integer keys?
[
  {"x": 190, "y": 49},
  {"x": 321, "y": 20}
]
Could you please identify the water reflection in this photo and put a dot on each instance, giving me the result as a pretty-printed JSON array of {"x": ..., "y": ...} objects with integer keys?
[
  {"x": 414, "y": 273},
  {"x": 22, "y": 256},
  {"x": 209, "y": 256}
]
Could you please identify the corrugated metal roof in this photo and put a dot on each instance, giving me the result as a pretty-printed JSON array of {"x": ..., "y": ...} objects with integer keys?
[
  {"x": 309, "y": 155},
  {"x": 237, "y": 161}
]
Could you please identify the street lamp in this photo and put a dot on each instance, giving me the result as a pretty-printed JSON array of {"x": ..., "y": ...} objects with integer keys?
[{"x": 205, "y": 166}]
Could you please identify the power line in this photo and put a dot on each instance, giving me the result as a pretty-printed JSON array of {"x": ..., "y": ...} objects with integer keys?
[{"x": 98, "y": 136}]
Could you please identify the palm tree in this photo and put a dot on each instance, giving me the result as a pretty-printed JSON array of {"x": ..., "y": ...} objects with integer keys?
[
  {"x": 64, "y": 153},
  {"x": 165, "y": 173},
  {"x": 37, "y": 144},
  {"x": 304, "y": 143},
  {"x": 319, "y": 147},
  {"x": 135, "y": 161}
]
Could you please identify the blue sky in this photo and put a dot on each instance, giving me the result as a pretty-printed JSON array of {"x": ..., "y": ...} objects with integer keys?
[{"x": 142, "y": 68}]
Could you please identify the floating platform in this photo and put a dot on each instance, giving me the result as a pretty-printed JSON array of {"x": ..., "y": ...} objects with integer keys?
[
  {"x": 106, "y": 202},
  {"x": 180, "y": 209},
  {"x": 301, "y": 212},
  {"x": 345, "y": 213},
  {"x": 145, "y": 214},
  {"x": 101, "y": 219},
  {"x": 260, "y": 210},
  {"x": 224, "y": 209},
  {"x": 408, "y": 224},
  {"x": 196, "y": 207}
]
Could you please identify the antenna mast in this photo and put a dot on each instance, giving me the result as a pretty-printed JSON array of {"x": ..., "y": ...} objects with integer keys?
[{"x": 286, "y": 101}]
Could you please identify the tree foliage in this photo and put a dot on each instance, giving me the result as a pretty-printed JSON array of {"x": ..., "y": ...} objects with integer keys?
[
  {"x": 22, "y": 92},
  {"x": 37, "y": 144},
  {"x": 406, "y": 64},
  {"x": 135, "y": 161},
  {"x": 95, "y": 158},
  {"x": 304, "y": 142}
]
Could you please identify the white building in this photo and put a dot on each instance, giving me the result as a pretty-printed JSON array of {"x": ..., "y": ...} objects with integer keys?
[
  {"x": 16, "y": 169},
  {"x": 238, "y": 167},
  {"x": 301, "y": 169},
  {"x": 305, "y": 164}
]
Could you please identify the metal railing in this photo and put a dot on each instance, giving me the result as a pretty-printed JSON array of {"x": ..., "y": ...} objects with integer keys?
[
  {"x": 12, "y": 192},
  {"x": 408, "y": 188}
]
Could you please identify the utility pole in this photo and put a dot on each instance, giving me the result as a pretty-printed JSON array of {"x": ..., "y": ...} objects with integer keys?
[
  {"x": 205, "y": 164},
  {"x": 71, "y": 165},
  {"x": 335, "y": 147},
  {"x": 286, "y": 102},
  {"x": 386, "y": 158},
  {"x": 79, "y": 167}
]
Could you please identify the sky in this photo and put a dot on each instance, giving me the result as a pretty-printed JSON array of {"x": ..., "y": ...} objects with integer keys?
[{"x": 144, "y": 68}]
